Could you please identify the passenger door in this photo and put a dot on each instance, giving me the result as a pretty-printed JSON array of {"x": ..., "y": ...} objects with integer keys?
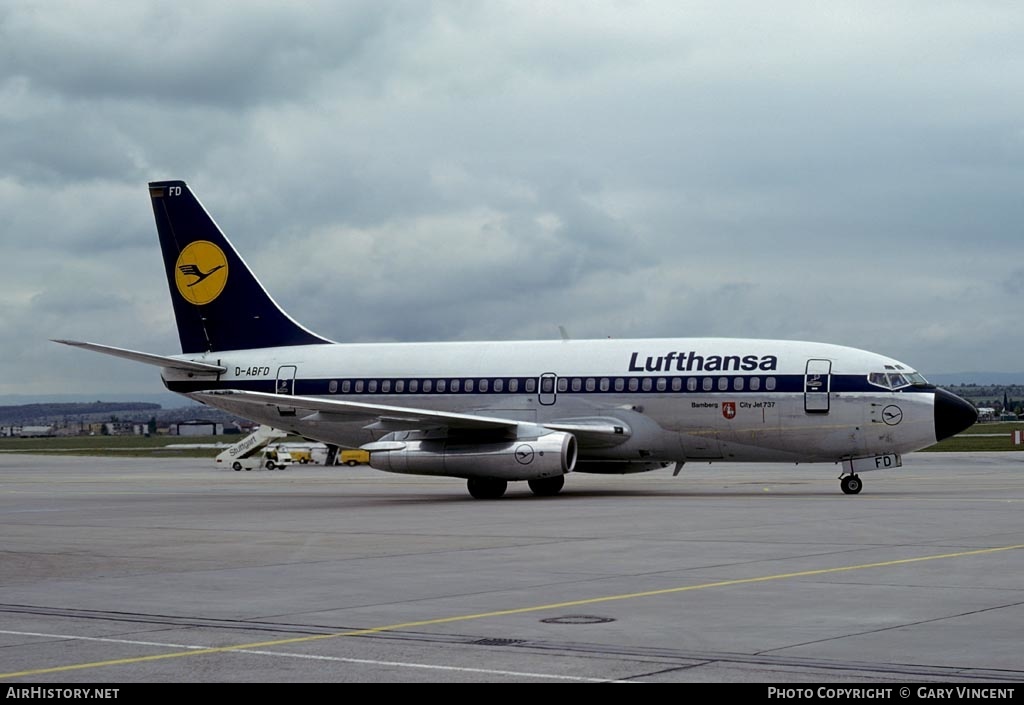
[
  {"x": 817, "y": 382},
  {"x": 286, "y": 385}
]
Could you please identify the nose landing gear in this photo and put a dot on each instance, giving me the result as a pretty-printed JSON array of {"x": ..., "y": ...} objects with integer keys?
[{"x": 851, "y": 483}]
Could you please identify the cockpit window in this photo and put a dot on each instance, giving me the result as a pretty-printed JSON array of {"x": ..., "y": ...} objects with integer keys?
[{"x": 896, "y": 380}]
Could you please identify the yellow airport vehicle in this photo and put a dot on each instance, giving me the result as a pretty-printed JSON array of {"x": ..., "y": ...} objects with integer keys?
[{"x": 354, "y": 457}]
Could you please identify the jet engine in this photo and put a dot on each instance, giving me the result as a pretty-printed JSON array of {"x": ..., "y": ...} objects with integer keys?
[{"x": 520, "y": 459}]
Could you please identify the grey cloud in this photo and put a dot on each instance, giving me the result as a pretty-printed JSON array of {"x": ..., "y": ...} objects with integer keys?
[{"x": 460, "y": 170}]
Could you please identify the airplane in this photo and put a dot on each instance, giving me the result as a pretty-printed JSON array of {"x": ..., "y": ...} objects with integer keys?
[{"x": 497, "y": 412}]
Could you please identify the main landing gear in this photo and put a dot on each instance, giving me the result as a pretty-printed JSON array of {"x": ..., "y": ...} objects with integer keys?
[
  {"x": 491, "y": 488},
  {"x": 851, "y": 483}
]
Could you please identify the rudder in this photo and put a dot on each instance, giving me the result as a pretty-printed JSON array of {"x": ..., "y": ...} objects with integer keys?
[{"x": 218, "y": 302}]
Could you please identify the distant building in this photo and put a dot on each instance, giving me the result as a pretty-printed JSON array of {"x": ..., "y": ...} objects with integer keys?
[
  {"x": 198, "y": 428},
  {"x": 26, "y": 431},
  {"x": 986, "y": 413},
  {"x": 123, "y": 428}
]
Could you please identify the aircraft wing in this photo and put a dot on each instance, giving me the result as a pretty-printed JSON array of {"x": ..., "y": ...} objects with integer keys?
[{"x": 589, "y": 431}]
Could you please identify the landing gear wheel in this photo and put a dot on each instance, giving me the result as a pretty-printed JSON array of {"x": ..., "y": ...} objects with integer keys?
[
  {"x": 547, "y": 486},
  {"x": 237, "y": 466},
  {"x": 486, "y": 488},
  {"x": 851, "y": 484}
]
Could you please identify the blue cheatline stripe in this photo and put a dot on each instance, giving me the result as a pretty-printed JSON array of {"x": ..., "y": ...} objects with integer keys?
[{"x": 497, "y": 386}]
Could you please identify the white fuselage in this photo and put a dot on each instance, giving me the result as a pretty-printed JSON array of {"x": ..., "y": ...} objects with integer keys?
[{"x": 687, "y": 399}]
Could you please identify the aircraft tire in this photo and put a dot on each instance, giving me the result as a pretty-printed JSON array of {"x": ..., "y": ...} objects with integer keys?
[
  {"x": 486, "y": 488},
  {"x": 547, "y": 486},
  {"x": 851, "y": 484}
]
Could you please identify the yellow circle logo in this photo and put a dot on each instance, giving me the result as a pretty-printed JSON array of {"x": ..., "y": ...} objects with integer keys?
[{"x": 201, "y": 272}]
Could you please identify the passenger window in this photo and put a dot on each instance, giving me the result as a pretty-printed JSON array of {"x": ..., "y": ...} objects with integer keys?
[
  {"x": 454, "y": 386},
  {"x": 634, "y": 384},
  {"x": 755, "y": 383},
  {"x": 359, "y": 386},
  {"x": 440, "y": 386},
  {"x": 531, "y": 385},
  {"x": 647, "y": 384},
  {"x": 346, "y": 387},
  {"x": 513, "y": 385},
  {"x": 723, "y": 384},
  {"x": 620, "y": 384},
  {"x": 577, "y": 384},
  {"x": 691, "y": 384},
  {"x": 769, "y": 384},
  {"x": 604, "y": 385},
  {"x": 563, "y": 384},
  {"x": 385, "y": 386},
  {"x": 591, "y": 384},
  {"x": 677, "y": 384},
  {"x": 662, "y": 384},
  {"x": 469, "y": 385},
  {"x": 708, "y": 384},
  {"x": 483, "y": 385},
  {"x": 400, "y": 386},
  {"x": 547, "y": 385},
  {"x": 371, "y": 386},
  {"x": 332, "y": 387},
  {"x": 414, "y": 385},
  {"x": 737, "y": 384}
]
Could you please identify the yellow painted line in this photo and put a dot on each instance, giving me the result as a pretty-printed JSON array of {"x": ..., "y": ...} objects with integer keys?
[{"x": 503, "y": 613}]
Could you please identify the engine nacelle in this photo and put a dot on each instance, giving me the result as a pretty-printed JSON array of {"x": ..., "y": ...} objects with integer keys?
[{"x": 522, "y": 459}]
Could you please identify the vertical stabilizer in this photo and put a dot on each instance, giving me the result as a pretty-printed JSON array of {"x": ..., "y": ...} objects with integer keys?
[{"x": 218, "y": 302}]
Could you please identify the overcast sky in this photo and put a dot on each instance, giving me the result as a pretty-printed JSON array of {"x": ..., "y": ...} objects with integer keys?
[{"x": 405, "y": 171}]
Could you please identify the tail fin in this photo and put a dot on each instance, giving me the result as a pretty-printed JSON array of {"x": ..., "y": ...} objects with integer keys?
[{"x": 218, "y": 302}]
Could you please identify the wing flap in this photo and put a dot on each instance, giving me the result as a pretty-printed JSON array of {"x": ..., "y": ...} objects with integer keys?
[
  {"x": 408, "y": 417},
  {"x": 594, "y": 432}
]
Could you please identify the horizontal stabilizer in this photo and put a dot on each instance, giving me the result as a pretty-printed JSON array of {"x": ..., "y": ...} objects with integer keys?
[{"x": 148, "y": 358}]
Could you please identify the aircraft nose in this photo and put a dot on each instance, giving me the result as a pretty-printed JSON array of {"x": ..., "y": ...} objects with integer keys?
[{"x": 952, "y": 414}]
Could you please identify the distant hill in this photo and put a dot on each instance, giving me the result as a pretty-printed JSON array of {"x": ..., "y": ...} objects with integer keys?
[
  {"x": 33, "y": 413},
  {"x": 73, "y": 413},
  {"x": 165, "y": 399},
  {"x": 978, "y": 378}
]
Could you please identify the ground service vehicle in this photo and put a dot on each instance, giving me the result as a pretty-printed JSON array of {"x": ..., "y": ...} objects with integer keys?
[{"x": 354, "y": 457}]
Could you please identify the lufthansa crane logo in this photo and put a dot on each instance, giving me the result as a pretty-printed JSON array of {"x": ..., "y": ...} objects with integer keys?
[
  {"x": 524, "y": 454},
  {"x": 201, "y": 272},
  {"x": 892, "y": 414}
]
